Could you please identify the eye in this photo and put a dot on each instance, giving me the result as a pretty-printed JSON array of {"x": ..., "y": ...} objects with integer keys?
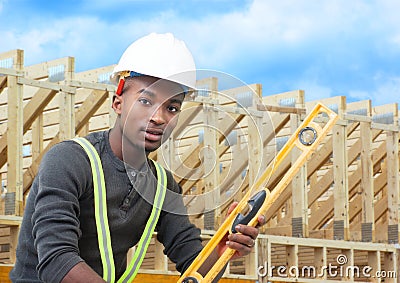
[
  {"x": 144, "y": 101},
  {"x": 173, "y": 108}
]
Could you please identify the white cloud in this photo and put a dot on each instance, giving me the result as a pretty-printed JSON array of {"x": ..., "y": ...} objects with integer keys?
[{"x": 319, "y": 35}]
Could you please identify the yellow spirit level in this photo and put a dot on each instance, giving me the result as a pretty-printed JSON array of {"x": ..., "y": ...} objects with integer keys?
[{"x": 306, "y": 138}]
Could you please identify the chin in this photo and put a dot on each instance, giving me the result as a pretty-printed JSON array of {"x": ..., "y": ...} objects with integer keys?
[{"x": 151, "y": 148}]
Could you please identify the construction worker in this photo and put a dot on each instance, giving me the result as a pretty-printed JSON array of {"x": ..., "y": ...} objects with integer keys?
[{"x": 94, "y": 198}]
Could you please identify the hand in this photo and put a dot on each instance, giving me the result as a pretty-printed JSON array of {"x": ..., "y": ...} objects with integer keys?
[{"x": 242, "y": 242}]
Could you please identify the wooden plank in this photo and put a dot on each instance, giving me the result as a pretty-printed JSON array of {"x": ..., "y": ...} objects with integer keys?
[
  {"x": 95, "y": 75},
  {"x": 340, "y": 177},
  {"x": 255, "y": 147},
  {"x": 14, "y": 195},
  {"x": 292, "y": 258},
  {"x": 10, "y": 220},
  {"x": 160, "y": 260},
  {"x": 374, "y": 261},
  {"x": 67, "y": 115},
  {"x": 320, "y": 261},
  {"x": 211, "y": 163},
  {"x": 299, "y": 184},
  {"x": 67, "y": 106},
  {"x": 367, "y": 184},
  {"x": 393, "y": 179},
  {"x": 41, "y": 70}
]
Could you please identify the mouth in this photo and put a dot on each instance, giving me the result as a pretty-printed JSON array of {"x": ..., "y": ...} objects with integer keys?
[{"x": 154, "y": 135}]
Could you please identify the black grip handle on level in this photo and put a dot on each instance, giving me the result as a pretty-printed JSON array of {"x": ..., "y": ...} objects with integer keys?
[{"x": 255, "y": 203}]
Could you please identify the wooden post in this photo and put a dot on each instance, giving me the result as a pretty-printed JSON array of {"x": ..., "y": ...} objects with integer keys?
[
  {"x": 67, "y": 105},
  {"x": 390, "y": 263},
  {"x": 299, "y": 182},
  {"x": 367, "y": 184},
  {"x": 320, "y": 262},
  {"x": 255, "y": 146},
  {"x": 340, "y": 177},
  {"x": 374, "y": 261},
  {"x": 347, "y": 264},
  {"x": 212, "y": 196},
  {"x": 14, "y": 195},
  {"x": 161, "y": 260},
  {"x": 392, "y": 146},
  {"x": 292, "y": 263}
]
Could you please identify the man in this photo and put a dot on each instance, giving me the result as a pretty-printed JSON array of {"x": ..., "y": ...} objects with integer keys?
[{"x": 59, "y": 237}]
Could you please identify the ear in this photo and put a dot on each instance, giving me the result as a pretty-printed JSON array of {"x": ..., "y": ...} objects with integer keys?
[{"x": 117, "y": 104}]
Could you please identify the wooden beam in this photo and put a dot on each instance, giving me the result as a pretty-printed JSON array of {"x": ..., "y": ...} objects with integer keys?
[
  {"x": 281, "y": 109},
  {"x": 31, "y": 111},
  {"x": 340, "y": 178},
  {"x": 299, "y": 185},
  {"x": 10, "y": 220},
  {"x": 95, "y": 99},
  {"x": 211, "y": 163},
  {"x": 367, "y": 183},
  {"x": 67, "y": 106},
  {"x": 41, "y": 70},
  {"x": 14, "y": 195},
  {"x": 392, "y": 146}
]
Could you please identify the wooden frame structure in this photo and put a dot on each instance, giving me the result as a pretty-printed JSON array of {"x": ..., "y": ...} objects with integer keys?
[{"x": 344, "y": 200}]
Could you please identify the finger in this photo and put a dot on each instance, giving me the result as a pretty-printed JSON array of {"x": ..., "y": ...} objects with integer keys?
[
  {"x": 250, "y": 231},
  {"x": 232, "y": 207},
  {"x": 244, "y": 240},
  {"x": 241, "y": 249},
  {"x": 261, "y": 221}
]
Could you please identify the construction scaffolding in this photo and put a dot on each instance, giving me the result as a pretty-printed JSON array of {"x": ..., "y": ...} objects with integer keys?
[{"x": 341, "y": 209}]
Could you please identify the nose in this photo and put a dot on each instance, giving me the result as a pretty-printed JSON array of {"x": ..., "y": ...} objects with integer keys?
[{"x": 158, "y": 116}]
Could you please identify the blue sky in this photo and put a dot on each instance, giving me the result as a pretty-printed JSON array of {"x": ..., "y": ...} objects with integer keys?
[{"x": 327, "y": 48}]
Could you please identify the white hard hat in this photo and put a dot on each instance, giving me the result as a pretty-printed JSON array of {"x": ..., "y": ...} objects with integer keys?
[{"x": 159, "y": 55}]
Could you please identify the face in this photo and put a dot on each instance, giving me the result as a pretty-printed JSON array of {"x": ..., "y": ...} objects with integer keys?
[{"x": 148, "y": 112}]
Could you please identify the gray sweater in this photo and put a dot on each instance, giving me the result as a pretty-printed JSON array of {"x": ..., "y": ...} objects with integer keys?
[{"x": 58, "y": 228}]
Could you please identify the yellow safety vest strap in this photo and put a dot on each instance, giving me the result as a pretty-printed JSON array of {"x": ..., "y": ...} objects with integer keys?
[
  {"x": 103, "y": 231},
  {"x": 100, "y": 207},
  {"x": 144, "y": 242}
]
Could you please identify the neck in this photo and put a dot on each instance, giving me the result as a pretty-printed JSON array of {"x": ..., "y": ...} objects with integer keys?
[{"x": 125, "y": 151}]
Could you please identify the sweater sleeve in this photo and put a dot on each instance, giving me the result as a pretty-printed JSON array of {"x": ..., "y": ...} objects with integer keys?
[
  {"x": 63, "y": 175},
  {"x": 179, "y": 236}
]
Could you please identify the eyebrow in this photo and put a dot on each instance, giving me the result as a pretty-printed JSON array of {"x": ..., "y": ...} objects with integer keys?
[
  {"x": 152, "y": 95},
  {"x": 147, "y": 92}
]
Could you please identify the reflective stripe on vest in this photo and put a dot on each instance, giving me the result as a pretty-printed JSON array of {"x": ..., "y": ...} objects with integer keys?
[{"x": 103, "y": 230}]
